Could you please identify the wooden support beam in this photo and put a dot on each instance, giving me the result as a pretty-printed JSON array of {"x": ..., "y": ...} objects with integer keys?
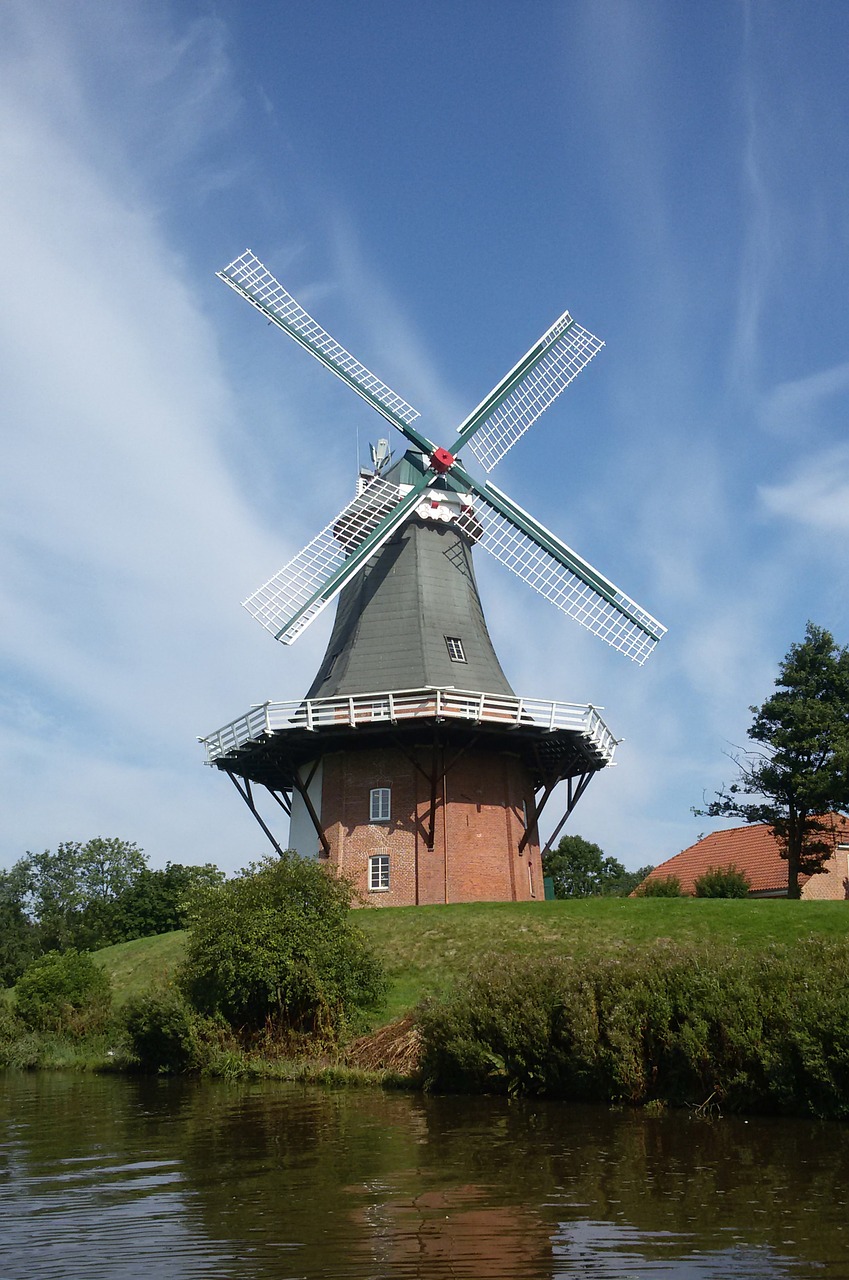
[
  {"x": 310, "y": 808},
  {"x": 244, "y": 790},
  {"x": 535, "y": 816},
  {"x": 574, "y": 794}
]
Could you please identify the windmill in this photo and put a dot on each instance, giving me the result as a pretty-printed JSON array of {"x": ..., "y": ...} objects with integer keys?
[{"x": 448, "y": 781}]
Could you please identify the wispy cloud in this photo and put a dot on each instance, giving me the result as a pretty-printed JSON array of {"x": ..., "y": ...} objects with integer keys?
[
  {"x": 816, "y": 496},
  {"x": 124, "y": 539},
  {"x": 761, "y": 238},
  {"x": 793, "y": 409}
]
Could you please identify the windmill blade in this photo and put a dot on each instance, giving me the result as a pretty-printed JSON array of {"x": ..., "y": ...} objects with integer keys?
[
  {"x": 559, "y": 574},
  {"x": 527, "y": 390},
  {"x": 254, "y": 282},
  {"x": 296, "y": 595}
]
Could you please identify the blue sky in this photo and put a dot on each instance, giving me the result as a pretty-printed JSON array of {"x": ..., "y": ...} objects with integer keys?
[{"x": 436, "y": 183}]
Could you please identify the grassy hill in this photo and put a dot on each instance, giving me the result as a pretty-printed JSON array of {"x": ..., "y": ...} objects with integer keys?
[{"x": 426, "y": 948}]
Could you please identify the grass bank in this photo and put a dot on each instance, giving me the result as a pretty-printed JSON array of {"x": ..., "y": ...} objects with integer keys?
[
  {"x": 428, "y": 949},
  {"x": 431, "y": 951}
]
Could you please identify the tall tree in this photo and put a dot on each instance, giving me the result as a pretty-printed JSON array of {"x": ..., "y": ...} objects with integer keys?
[
  {"x": 71, "y": 896},
  {"x": 18, "y": 942},
  {"x": 580, "y": 869},
  {"x": 276, "y": 948},
  {"x": 798, "y": 771}
]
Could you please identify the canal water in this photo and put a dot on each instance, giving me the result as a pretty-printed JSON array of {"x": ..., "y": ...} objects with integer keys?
[{"x": 141, "y": 1179}]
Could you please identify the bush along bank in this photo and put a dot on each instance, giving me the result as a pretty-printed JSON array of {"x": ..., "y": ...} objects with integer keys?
[
  {"x": 275, "y": 972},
  {"x": 716, "y": 1030}
]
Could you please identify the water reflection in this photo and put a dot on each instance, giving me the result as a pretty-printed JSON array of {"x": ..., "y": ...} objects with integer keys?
[{"x": 121, "y": 1178}]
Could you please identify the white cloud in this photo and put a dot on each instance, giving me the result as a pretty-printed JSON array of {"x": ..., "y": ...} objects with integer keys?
[
  {"x": 817, "y": 496},
  {"x": 144, "y": 450},
  {"x": 124, "y": 543},
  {"x": 793, "y": 408}
]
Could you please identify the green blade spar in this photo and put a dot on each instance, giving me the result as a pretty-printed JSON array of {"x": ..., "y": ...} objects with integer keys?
[
  {"x": 295, "y": 597},
  {"x": 547, "y": 544},
  {"x": 254, "y": 282},
  {"x": 527, "y": 390}
]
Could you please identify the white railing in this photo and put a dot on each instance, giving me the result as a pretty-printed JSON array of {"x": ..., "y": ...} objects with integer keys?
[{"x": 410, "y": 704}]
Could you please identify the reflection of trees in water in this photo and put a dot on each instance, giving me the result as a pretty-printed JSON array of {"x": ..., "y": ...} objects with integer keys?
[
  {"x": 386, "y": 1170},
  {"x": 366, "y": 1182},
  {"x": 669, "y": 1173}
]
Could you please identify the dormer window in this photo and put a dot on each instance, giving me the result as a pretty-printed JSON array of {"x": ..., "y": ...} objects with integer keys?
[{"x": 456, "y": 652}]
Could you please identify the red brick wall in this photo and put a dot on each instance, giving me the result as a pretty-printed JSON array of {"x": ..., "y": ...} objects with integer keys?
[
  {"x": 833, "y": 882},
  {"x": 478, "y": 826}
]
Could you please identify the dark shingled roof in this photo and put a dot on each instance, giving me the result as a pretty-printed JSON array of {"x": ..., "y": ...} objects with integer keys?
[{"x": 392, "y": 620}]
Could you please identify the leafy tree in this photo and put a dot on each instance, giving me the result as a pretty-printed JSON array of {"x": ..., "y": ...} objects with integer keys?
[
  {"x": 579, "y": 869},
  {"x": 88, "y": 896},
  {"x": 629, "y": 880},
  {"x": 70, "y": 896},
  {"x": 18, "y": 943},
  {"x": 51, "y": 894},
  {"x": 723, "y": 882},
  {"x": 799, "y": 770},
  {"x": 275, "y": 948},
  {"x": 157, "y": 900},
  {"x": 107, "y": 868},
  {"x": 162, "y": 1031},
  {"x": 63, "y": 991}
]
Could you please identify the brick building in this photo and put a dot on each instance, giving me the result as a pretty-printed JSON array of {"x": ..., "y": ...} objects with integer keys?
[{"x": 754, "y": 850}]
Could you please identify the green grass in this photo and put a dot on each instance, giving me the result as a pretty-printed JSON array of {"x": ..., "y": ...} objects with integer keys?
[
  {"x": 135, "y": 967},
  {"x": 428, "y": 948}
]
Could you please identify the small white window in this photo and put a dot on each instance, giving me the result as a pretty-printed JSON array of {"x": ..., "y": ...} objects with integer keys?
[
  {"x": 380, "y": 804},
  {"x": 378, "y": 872},
  {"x": 456, "y": 652}
]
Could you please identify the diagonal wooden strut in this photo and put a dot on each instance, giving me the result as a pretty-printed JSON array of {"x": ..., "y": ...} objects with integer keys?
[
  {"x": 245, "y": 791},
  {"x": 310, "y": 808},
  {"x": 435, "y": 776},
  {"x": 574, "y": 794}
]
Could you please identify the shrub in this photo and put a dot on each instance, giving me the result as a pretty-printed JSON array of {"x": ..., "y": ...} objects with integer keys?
[
  {"x": 274, "y": 951},
  {"x": 162, "y": 1031},
  {"x": 8, "y": 1022},
  {"x": 723, "y": 882},
  {"x": 63, "y": 991},
  {"x": 680, "y": 1025},
  {"x": 660, "y": 887}
]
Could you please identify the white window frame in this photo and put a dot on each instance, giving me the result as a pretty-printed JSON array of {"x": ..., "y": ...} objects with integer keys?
[
  {"x": 380, "y": 804},
  {"x": 378, "y": 873},
  {"x": 456, "y": 651}
]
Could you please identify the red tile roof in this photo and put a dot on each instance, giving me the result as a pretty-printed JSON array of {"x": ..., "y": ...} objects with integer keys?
[{"x": 752, "y": 849}]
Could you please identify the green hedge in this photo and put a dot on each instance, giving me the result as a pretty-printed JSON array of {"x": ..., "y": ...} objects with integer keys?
[{"x": 741, "y": 1032}]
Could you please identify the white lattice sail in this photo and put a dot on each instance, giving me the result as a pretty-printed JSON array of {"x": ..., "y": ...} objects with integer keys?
[
  {"x": 612, "y": 616},
  {"x": 257, "y": 285},
  {"x": 558, "y": 358},
  {"x": 294, "y": 597}
]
